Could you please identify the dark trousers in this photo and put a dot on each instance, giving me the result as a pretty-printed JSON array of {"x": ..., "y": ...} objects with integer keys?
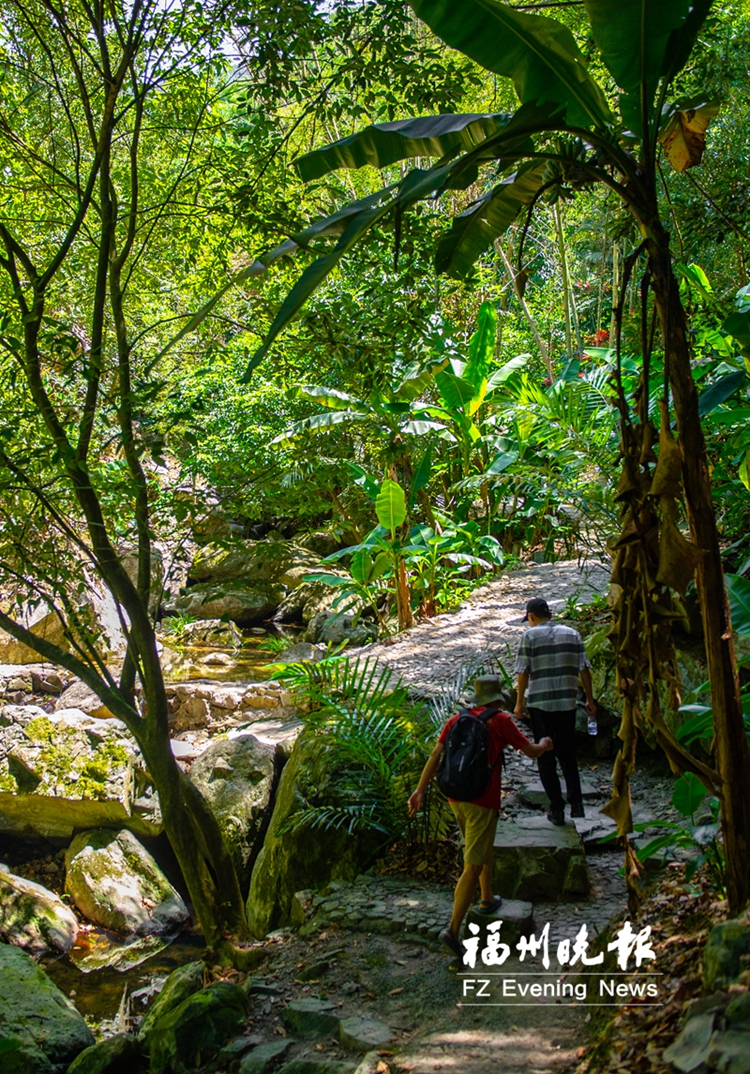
[{"x": 561, "y": 728}]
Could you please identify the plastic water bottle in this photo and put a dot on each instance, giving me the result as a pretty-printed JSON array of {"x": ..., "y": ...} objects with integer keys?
[{"x": 592, "y": 726}]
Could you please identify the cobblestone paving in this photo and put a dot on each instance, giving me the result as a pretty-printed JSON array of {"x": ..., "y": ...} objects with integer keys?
[
  {"x": 429, "y": 655},
  {"x": 409, "y": 908}
]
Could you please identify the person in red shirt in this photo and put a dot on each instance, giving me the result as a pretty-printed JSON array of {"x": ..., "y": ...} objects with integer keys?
[{"x": 477, "y": 820}]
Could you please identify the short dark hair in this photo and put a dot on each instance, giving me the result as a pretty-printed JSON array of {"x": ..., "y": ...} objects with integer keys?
[{"x": 539, "y": 608}]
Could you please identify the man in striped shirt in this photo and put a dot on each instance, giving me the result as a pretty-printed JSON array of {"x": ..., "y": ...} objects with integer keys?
[{"x": 550, "y": 659}]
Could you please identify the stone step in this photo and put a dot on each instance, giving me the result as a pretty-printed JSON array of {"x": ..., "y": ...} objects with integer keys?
[
  {"x": 537, "y": 861},
  {"x": 516, "y": 915},
  {"x": 534, "y": 795}
]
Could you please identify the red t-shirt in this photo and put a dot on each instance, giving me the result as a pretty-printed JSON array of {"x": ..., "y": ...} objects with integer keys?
[{"x": 503, "y": 732}]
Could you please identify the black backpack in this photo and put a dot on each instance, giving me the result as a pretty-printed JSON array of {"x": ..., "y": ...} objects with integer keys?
[{"x": 464, "y": 771}]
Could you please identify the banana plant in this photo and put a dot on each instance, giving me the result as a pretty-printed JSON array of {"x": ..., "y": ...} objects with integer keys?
[
  {"x": 464, "y": 388},
  {"x": 571, "y": 132}
]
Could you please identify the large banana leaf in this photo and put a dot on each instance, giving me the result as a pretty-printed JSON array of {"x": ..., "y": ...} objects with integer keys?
[
  {"x": 481, "y": 351},
  {"x": 490, "y": 216},
  {"x": 330, "y": 397},
  {"x": 721, "y": 390},
  {"x": 317, "y": 423},
  {"x": 390, "y": 506},
  {"x": 456, "y": 392},
  {"x": 637, "y": 39},
  {"x": 538, "y": 53},
  {"x": 386, "y": 143},
  {"x": 501, "y": 375}
]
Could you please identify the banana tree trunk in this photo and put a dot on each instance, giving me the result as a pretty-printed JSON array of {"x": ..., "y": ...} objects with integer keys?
[{"x": 732, "y": 757}]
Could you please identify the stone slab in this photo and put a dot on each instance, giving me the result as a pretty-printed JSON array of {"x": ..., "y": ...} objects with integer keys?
[
  {"x": 536, "y": 860},
  {"x": 364, "y": 1034},
  {"x": 534, "y": 795},
  {"x": 533, "y": 832},
  {"x": 310, "y": 1019}
]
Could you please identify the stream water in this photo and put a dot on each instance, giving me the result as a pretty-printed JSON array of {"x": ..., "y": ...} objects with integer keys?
[
  {"x": 112, "y": 1000},
  {"x": 249, "y": 664}
]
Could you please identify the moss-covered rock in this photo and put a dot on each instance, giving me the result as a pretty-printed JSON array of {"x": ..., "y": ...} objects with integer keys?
[
  {"x": 726, "y": 953},
  {"x": 236, "y": 778},
  {"x": 34, "y": 918},
  {"x": 241, "y": 602},
  {"x": 115, "y": 1055},
  {"x": 66, "y": 770},
  {"x": 291, "y": 861},
  {"x": 267, "y": 560},
  {"x": 181, "y": 983},
  {"x": 116, "y": 883},
  {"x": 190, "y": 1035},
  {"x": 48, "y": 1029}
]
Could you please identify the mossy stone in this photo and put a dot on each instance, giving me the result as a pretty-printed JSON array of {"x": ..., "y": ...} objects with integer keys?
[
  {"x": 265, "y": 1057},
  {"x": 115, "y": 1055},
  {"x": 723, "y": 960},
  {"x": 310, "y": 1019},
  {"x": 190, "y": 1036},
  {"x": 181, "y": 983},
  {"x": 36, "y": 1014},
  {"x": 291, "y": 861},
  {"x": 116, "y": 883}
]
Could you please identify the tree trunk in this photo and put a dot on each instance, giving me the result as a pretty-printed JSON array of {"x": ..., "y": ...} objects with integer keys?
[{"x": 732, "y": 757}]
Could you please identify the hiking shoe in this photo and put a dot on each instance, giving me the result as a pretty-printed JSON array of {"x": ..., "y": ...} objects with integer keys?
[
  {"x": 446, "y": 937},
  {"x": 577, "y": 811},
  {"x": 489, "y": 906},
  {"x": 556, "y": 816}
]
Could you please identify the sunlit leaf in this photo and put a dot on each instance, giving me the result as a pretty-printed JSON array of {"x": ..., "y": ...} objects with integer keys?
[
  {"x": 539, "y": 54},
  {"x": 390, "y": 506}
]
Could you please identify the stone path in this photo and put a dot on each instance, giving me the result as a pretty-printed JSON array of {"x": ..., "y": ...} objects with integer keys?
[{"x": 490, "y": 622}]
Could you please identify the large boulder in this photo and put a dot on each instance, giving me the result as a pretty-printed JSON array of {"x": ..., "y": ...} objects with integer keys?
[
  {"x": 293, "y": 860},
  {"x": 243, "y": 603},
  {"x": 211, "y": 634},
  {"x": 269, "y": 560},
  {"x": 64, "y": 770},
  {"x": 99, "y": 613},
  {"x": 116, "y": 883},
  {"x": 309, "y": 599},
  {"x": 191, "y": 1034},
  {"x": 34, "y": 1013},
  {"x": 236, "y": 777},
  {"x": 33, "y": 917}
]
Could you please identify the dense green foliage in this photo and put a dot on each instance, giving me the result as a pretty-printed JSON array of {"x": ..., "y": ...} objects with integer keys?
[{"x": 451, "y": 394}]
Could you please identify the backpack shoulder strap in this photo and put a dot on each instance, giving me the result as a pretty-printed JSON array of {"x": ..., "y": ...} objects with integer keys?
[{"x": 491, "y": 710}]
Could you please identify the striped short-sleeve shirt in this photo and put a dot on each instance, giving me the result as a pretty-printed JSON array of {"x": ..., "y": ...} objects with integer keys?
[{"x": 553, "y": 655}]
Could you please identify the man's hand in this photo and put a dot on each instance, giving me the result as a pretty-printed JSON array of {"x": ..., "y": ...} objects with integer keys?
[
  {"x": 547, "y": 743},
  {"x": 416, "y": 801},
  {"x": 591, "y": 706},
  {"x": 520, "y": 712}
]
